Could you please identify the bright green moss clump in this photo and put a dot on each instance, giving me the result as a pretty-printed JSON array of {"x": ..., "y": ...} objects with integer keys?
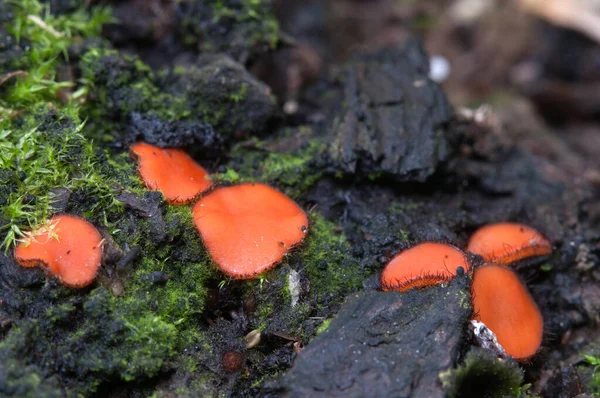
[
  {"x": 183, "y": 262},
  {"x": 332, "y": 271},
  {"x": 40, "y": 154},
  {"x": 591, "y": 371},
  {"x": 46, "y": 39},
  {"x": 42, "y": 146}
]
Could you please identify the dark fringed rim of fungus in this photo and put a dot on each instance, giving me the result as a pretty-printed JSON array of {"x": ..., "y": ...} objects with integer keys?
[
  {"x": 423, "y": 265},
  {"x": 508, "y": 243}
]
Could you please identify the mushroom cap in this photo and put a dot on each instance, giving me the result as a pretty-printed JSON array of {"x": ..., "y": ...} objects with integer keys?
[
  {"x": 69, "y": 247},
  {"x": 248, "y": 228},
  {"x": 505, "y": 243},
  {"x": 170, "y": 171},
  {"x": 503, "y": 304},
  {"x": 423, "y": 265}
]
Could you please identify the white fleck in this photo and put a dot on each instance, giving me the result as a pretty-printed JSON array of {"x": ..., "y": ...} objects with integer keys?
[
  {"x": 294, "y": 286},
  {"x": 439, "y": 68}
]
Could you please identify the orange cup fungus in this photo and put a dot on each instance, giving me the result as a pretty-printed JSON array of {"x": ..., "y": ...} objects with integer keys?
[
  {"x": 69, "y": 247},
  {"x": 171, "y": 171},
  {"x": 248, "y": 228},
  {"x": 506, "y": 243},
  {"x": 423, "y": 265},
  {"x": 503, "y": 304}
]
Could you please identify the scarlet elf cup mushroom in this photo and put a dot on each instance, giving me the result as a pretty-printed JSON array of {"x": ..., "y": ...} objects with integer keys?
[
  {"x": 170, "y": 171},
  {"x": 500, "y": 300},
  {"x": 507, "y": 243},
  {"x": 423, "y": 265},
  {"x": 248, "y": 228},
  {"x": 68, "y": 247},
  {"x": 503, "y": 304}
]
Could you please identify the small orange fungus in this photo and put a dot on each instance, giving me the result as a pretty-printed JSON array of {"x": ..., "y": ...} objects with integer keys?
[
  {"x": 503, "y": 304},
  {"x": 506, "y": 243},
  {"x": 248, "y": 228},
  {"x": 423, "y": 265},
  {"x": 69, "y": 247},
  {"x": 170, "y": 171}
]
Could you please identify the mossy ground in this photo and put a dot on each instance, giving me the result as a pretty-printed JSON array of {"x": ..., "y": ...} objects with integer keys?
[
  {"x": 151, "y": 317},
  {"x": 484, "y": 375},
  {"x": 252, "y": 27}
]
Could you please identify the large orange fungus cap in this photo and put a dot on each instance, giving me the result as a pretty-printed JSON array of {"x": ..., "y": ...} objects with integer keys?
[
  {"x": 171, "y": 171},
  {"x": 69, "y": 247},
  {"x": 248, "y": 228},
  {"x": 503, "y": 304},
  {"x": 423, "y": 265},
  {"x": 505, "y": 243}
]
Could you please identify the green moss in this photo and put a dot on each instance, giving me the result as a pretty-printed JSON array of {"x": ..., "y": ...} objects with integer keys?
[
  {"x": 184, "y": 262},
  {"x": 240, "y": 94},
  {"x": 324, "y": 326},
  {"x": 107, "y": 338},
  {"x": 594, "y": 380},
  {"x": 41, "y": 153},
  {"x": 223, "y": 93},
  {"x": 465, "y": 299},
  {"x": 264, "y": 313},
  {"x": 47, "y": 39},
  {"x": 332, "y": 272},
  {"x": 42, "y": 140},
  {"x": 294, "y": 172},
  {"x": 27, "y": 382},
  {"x": 325, "y": 266},
  {"x": 118, "y": 85},
  {"x": 251, "y": 27},
  {"x": 484, "y": 375}
]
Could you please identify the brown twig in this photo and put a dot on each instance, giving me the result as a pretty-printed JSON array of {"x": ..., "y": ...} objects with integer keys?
[{"x": 12, "y": 74}]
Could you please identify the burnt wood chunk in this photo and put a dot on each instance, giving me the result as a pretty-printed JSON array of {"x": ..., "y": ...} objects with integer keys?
[
  {"x": 384, "y": 344},
  {"x": 392, "y": 117}
]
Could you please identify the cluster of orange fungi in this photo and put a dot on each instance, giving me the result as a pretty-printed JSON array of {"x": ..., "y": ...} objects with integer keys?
[
  {"x": 500, "y": 300},
  {"x": 247, "y": 228}
]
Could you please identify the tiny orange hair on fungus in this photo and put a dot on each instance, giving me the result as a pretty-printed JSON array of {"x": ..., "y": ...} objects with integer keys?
[
  {"x": 170, "y": 171},
  {"x": 506, "y": 243},
  {"x": 423, "y": 265},
  {"x": 501, "y": 301},
  {"x": 68, "y": 247},
  {"x": 248, "y": 228}
]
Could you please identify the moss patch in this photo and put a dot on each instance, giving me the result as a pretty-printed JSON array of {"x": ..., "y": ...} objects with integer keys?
[
  {"x": 293, "y": 172},
  {"x": 483, "y": 375},
  {"x": 238, "y": 28},
  {"x": 105, "y": 338},
  {"x": 46, "y": 39}
]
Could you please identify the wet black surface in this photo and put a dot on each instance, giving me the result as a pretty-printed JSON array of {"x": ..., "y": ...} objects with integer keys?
[
  {"x": 392, "y": 117},
  {"x": 384, "y": 345}
]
